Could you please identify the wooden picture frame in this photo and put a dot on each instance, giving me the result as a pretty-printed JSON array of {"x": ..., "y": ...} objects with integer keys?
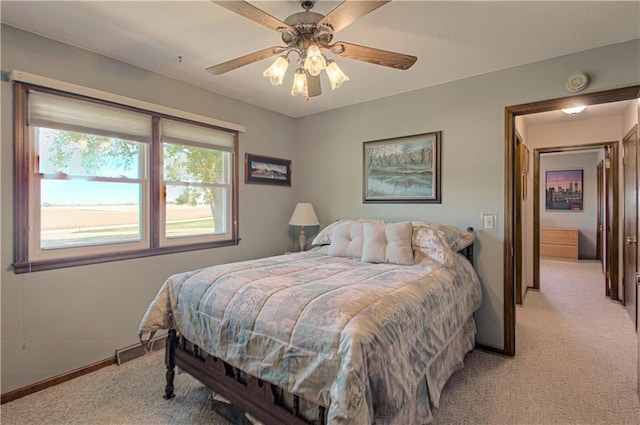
[
  {"x": 402, "y": 170},
  {"x": 260, "y": 169}
]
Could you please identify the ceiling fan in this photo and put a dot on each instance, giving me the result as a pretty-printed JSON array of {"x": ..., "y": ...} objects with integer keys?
[{"x": 307, "y": 33}]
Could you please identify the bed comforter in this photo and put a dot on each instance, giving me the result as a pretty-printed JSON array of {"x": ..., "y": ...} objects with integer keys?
[{"x": 359, "y": 338}]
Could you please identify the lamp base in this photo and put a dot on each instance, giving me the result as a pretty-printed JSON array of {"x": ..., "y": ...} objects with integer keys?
[{"x": 302, "y": 239}]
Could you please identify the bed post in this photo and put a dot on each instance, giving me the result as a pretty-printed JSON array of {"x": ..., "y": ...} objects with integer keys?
[
  {"x": 469, "y": 251},
  {"x": 169, "y": 360}
]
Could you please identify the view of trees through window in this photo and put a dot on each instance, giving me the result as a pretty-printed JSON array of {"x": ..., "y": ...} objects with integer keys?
[
  {"x": 195, "y": 181},
  {"x": 93, "y": 189}
]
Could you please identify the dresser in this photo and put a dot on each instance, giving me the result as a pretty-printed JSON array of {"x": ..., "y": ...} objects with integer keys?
[{"x": 559, "y": 242}]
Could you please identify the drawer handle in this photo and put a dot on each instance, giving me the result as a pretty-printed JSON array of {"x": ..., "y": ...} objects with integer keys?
[{"x": 629, "y": 240}]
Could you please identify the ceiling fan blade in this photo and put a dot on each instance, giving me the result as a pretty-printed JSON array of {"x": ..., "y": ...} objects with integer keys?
[
  {"x": 313, "y": 85},
  {"x": 375, "y": 56},
  {"x": 348, "y": 11},
  {"x": 245, "y": 60},
  {"x": 249, "y": 11}
]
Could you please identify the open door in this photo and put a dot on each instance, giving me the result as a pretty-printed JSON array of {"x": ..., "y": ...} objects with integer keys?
[
  {"x": 638, "y": 251},
  {"x": 611, "y": 221},
  {"x": 518, "y": 209},
  {"x": 630, "y": 165}
]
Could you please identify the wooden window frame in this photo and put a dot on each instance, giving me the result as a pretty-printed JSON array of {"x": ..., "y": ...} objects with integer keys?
[{"x": 24, "y": 263}]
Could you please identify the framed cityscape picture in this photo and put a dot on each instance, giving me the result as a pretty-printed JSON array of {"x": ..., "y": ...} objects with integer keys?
[{"x": 563, "y": 190}]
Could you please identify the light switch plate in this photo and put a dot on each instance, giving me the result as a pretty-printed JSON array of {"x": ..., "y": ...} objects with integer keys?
[{"x": 489, "y": 222}]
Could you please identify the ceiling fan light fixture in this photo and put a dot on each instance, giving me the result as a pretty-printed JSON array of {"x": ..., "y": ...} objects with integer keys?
[
  {"x": 306, "y": 34},
  {"x": 315, "y": 61},
  {"x": 335, "y": 74},
  {"x": 300, "y": 84},
  {"x": 276, "y": 71}
]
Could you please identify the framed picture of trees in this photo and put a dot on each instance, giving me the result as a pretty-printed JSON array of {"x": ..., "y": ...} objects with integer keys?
[{"x": 402, "y": 170}]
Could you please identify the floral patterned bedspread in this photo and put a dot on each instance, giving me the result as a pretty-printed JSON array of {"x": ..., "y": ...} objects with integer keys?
[{"x": 356, "y": 337}]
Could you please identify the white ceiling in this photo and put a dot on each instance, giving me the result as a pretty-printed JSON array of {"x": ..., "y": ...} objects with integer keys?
[{"x": 452, "y": 40}]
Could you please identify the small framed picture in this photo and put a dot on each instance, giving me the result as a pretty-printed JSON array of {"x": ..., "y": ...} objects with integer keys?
[{"x": 266, "y": 170}]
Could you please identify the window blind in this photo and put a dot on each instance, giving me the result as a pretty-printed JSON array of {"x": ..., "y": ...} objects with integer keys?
[
  {"x": 47, "y": 110},
  {"x": 180, "y": 132}
]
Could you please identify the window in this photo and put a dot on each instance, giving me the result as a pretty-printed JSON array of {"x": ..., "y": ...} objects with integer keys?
[
  {"x": 197, "y": 181},
  {"x": 101, "y": 182}
]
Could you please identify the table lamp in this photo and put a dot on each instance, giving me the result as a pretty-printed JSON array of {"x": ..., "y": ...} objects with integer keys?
[{"x": 303, "y": 215}]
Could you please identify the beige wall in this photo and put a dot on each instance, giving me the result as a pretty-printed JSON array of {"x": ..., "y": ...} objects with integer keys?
[
  {"x": 630, "y": 116},
  {"x": 56, "y": 321}
]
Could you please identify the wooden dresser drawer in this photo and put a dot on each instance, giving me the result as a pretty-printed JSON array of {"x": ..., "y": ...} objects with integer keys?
[{"x": 559, "y": 242}]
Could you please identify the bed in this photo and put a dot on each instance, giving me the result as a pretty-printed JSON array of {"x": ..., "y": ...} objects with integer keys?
[{"x": 366, "y": 327}]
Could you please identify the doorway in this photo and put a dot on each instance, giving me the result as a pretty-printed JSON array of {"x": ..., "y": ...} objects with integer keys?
[
  {"x": 513, "y": 187},
  {"x": 606, "y": 185}
]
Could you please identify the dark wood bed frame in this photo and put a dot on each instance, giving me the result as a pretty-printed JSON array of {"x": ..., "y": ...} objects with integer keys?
[{"x": 260, "y": 399}]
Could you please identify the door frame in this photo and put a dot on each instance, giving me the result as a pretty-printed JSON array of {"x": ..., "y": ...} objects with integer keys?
[
  {"x": 613, "y": 232},
  {"x": 511, "y": 181},
  {"x": 630, "y": 137},
  {"x": 600, "y": 203}
]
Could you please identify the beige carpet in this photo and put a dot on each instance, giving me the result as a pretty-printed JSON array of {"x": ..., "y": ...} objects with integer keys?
[
  {"x": 575, "y": 364},
  {"x": 575, "y": 360},
  {"x": 130, "y": 394}
]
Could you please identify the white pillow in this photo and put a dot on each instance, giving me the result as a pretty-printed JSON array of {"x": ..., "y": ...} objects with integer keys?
[
  {"x": 324, "y": 237},
  {"x": 346, "y": 240},
  {"x": 387, "y": 243}
]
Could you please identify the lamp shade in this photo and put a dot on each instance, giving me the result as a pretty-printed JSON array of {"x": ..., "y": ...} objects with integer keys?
[{"x": 304, "y": 215}]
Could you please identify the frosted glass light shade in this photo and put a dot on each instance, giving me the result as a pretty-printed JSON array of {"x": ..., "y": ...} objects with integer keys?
[
  {"x": 300, "y": 83},
  {"x": 276, "y": 71},
  {"x": 574, "y": 110},
  {"x": 315, "y": 61},
  {"x": 335, "y": 74}
]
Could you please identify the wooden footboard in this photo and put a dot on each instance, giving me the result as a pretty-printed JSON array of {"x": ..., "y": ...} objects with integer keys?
[{"x": 254, "y": 396}]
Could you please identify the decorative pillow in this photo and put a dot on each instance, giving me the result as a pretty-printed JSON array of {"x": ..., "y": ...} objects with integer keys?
[
  {"x": 324, "y": 236},
  {"x": 346, "y": 240},
  {"x": 453, "y": 237},
  {"x": 440, "y": 242},
  {"x": 387, "y": 243}
]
